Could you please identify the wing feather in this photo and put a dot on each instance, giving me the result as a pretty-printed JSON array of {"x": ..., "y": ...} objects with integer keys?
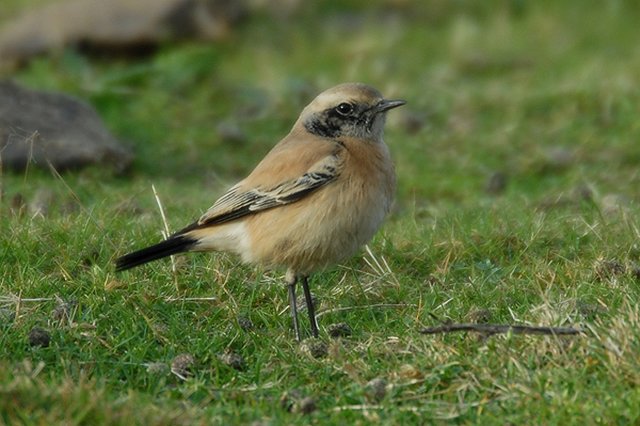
[{"x": 239, "y": 202}]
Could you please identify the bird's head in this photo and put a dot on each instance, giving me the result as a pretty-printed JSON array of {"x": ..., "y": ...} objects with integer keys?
[{"x": 348, "y": 110}]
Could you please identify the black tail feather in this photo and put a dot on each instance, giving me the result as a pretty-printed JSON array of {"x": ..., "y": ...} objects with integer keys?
[{"x": 174, "y": 245}]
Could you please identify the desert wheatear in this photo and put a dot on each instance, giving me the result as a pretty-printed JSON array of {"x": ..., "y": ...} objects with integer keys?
[{"x": 319, "y": 194}]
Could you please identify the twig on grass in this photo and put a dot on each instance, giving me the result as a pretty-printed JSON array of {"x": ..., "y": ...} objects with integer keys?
[
  {"x": 502, "y": 328},
  {"x": 190, "y": 299},
  {"x": 17, "y": 299}
]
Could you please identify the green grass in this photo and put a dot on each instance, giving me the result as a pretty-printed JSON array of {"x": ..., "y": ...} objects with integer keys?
[{"x": 544, "y": 92}]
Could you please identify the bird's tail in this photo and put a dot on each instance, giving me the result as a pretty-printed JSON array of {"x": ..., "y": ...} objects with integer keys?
[{"x": 178, "y": 243}]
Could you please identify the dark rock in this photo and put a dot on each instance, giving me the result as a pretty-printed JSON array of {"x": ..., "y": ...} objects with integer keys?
[
  {"x": 245, "y": 323},
  {"x": 50, "y": 128},
  {"x": 39, "y": 337},
  {"x": 114, "y": 26},
  {"x": 341, "y": 329}
]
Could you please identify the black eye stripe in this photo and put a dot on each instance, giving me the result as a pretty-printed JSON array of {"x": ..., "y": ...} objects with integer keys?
[{"x": 345, "y": 118}]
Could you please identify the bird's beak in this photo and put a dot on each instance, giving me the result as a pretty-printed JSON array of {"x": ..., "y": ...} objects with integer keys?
[{"x": 387, "y": 104}]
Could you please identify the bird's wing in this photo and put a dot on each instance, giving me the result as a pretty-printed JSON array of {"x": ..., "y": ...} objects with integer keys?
[{"x": 240, "y": 201}]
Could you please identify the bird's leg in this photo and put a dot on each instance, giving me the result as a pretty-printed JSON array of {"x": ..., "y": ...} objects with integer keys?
[
  {"x": 310, "y": 308},
  {"x": 291, "y": 283}
]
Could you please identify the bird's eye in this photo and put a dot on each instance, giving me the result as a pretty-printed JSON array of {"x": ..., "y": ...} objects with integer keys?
[{"x": 344, "y": 108}]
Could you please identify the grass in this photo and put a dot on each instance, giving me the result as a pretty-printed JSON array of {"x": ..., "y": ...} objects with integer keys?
[{"x": 543, "y": 93}]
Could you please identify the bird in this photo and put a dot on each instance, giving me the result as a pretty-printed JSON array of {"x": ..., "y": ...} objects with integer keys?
[{"x": 318, "y": 195}]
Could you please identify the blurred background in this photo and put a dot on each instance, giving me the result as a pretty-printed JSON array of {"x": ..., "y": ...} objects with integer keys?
[{"x": 506, "y": 97}]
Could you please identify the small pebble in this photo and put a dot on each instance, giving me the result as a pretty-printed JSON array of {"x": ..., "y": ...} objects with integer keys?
[
  {"x": 245, "y": 323},
  {"x": 39, "y": 337},
  {"x": 340, "y": 329},
  {"x": 316, "y": 348},
  {"x": 182, "y": 365},
  {"x": 232, "y": 359}
]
